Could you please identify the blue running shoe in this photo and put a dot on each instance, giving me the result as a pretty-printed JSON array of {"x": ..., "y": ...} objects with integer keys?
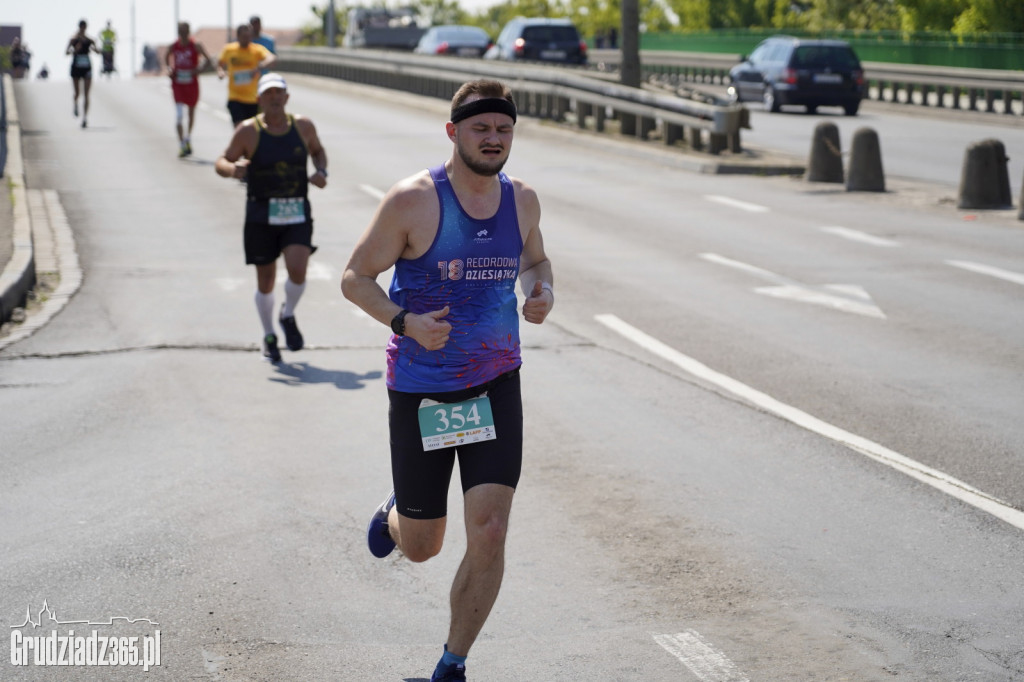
[
  {"x": 377, "y": 536},
  {"x": 455, "y": 672},
  {"x": 449, "y": 672}
]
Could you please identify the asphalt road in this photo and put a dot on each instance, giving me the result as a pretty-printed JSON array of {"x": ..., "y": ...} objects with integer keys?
[{"x": 773, "y": 428}]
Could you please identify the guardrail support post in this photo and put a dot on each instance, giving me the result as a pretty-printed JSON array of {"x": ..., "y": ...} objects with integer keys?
[
  {"x": 696, "y": 139},
  {"x": 647, "y": 126},
  {"x": 600, "y": 115},
  {"x": 734, "y": 142},
  {"x": 673, "y": 134},
  {"x": 627, "y": 123},
  {"x": 583, "y": 110}
]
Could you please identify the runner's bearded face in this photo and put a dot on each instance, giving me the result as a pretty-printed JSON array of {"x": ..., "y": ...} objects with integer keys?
[{"x": 483, "y": 142}]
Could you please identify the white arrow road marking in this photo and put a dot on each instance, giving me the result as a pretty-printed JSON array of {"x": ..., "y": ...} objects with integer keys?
[
  {"x": 858, "y": 236},
  {"x": 848, "y": 298},
  {"x": 1008, "y": 275},
  {"x": 736, "y": 203},
  {"x": 879, "y": 453},
  {"x": 703, "y": 660}
]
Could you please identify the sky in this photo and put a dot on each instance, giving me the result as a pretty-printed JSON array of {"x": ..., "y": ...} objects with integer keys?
[{"x": 47, "y": 25}]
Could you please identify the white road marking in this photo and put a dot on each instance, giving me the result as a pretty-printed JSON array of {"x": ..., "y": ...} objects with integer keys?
[
  {"x": 703, "y": 660},
  {"x": 1008, "y": 275},
  {"x": 373, "y": 191},
  {"x": 858, "y": 236},
  {"x": 736, "y": 203},
  {"x": 847, "y": 298},
  {"x": 230, "y": 283},
  {"x": 879, "y": 453}
]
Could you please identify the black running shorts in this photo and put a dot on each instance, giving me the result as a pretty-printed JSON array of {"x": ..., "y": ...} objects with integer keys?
[
  {"x": 264, "y": 243},
  {"x": 241, "y": 111},
  {"x": 421, "y": 478},
  {"x": 78, "y": 72}
]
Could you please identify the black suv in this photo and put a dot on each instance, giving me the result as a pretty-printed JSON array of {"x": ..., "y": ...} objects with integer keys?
[
  {"x": 539, "y": 40},
  {"x": 813, "y": 73}
]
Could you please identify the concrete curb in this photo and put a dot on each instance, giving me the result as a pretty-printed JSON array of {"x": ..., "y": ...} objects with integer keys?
[
  {"x": 19, "y": 275},
  {"x": 43, "y": 242}
]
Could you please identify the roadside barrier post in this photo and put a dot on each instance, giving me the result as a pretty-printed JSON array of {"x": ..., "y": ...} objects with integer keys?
[
  {"x": 826, "y": 162},
  {"x": 984, "y": 181},
  {"x": 866, "y": 173}
]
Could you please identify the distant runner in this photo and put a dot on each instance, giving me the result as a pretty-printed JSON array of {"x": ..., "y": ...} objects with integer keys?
[
  {"x": 79, "y": 48},
  {"x": 242, "y": 63},
  {"x": 183, "y": 69},
  {"x": 108, "y": 37},
  {"x": 259, "y": 37}
]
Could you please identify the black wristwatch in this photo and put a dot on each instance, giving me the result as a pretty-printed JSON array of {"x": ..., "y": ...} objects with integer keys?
[{"x": 398, "y": 323}]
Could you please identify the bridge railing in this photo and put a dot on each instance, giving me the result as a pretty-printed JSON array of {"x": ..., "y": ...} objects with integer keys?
[
  {"x": 559, "y": 94},
  {"x": 981, "y": 90}
]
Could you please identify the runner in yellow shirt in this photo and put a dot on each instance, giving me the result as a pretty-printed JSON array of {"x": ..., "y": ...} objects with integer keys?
[{"x": 242, "y": 63}]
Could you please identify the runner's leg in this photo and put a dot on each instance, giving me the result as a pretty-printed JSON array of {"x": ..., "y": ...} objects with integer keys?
[{"x": 476, "y": 585}]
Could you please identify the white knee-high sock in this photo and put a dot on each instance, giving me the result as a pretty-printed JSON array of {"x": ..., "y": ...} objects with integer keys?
[
  {"x": 265, "y": 308},
  {"x": 292, "y": 293}
]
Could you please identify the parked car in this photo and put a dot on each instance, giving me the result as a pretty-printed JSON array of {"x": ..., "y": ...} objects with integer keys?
[
  {"x": 462, "y": 41},
  {"x": 541, "y": 40},
  {"x": 814, "y": 73}
]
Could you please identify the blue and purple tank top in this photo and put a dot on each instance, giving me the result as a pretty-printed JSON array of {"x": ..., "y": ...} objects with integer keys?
[{"x": 472, "y": 267}]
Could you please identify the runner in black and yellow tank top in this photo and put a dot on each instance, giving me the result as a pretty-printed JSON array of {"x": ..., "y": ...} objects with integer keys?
[{"x": 270, "y": 152}]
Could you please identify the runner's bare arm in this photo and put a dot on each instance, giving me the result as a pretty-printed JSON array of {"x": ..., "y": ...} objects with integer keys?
[
  {"x": 316, "y": 150},
  {"x": 384, "y": 242},
  {"x": 233, "y": 163},
  {"x": 535, "y": 275}
]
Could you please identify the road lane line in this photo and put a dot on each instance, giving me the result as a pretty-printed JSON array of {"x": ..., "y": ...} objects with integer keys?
[
  {"x": 1008, "y": 275},
  {"x": 745, "y": 267},
  {"x": 858, "y": 236},
  {"x": 736, "y": 203},
  {"x": 703, "y": 660},
  {"x": 879, "y": 453},
  {"x": 373, "y": 191}
]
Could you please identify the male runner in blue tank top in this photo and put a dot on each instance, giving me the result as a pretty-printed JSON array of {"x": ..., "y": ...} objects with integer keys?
[
  {"x": 459, "y": 236},
  {"x": 270, "y": 152}
]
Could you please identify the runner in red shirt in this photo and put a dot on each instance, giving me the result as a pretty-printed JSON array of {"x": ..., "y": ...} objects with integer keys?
[{"x": 183, "y": 68}]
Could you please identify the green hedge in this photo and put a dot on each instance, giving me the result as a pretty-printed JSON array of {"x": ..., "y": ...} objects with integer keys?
[{"x": 981, "y": 51}]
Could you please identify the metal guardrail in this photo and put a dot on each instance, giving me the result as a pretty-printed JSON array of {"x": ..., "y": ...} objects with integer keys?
[
  {"x": 981, "y": 90},
  {"x": 558, "y": 94}
]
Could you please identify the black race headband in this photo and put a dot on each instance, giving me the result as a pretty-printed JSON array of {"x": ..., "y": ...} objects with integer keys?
[{"x": 490, "y": 105}]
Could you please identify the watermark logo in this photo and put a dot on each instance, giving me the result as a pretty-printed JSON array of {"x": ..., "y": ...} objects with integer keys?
[{"x": 72, "y": 643}]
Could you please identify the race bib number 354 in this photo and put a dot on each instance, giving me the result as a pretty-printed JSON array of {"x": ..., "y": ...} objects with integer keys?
[{"x": 444, "y": 425}]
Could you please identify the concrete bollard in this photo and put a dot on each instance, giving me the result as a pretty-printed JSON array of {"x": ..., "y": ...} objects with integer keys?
[
  {"x": 866, "y": 173},
  {"x": 984, "y": 181},
  {"x": 826, "y": 162}
]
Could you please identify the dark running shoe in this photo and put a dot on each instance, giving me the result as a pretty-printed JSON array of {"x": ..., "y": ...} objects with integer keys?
[
  {"x": 270, "y": 350},
  {"x": 377, "y": 536},
  {"x": 451, "y": 673},
  {"x": 188, "y": 149},
  {"x": 292, "y": 335}
]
